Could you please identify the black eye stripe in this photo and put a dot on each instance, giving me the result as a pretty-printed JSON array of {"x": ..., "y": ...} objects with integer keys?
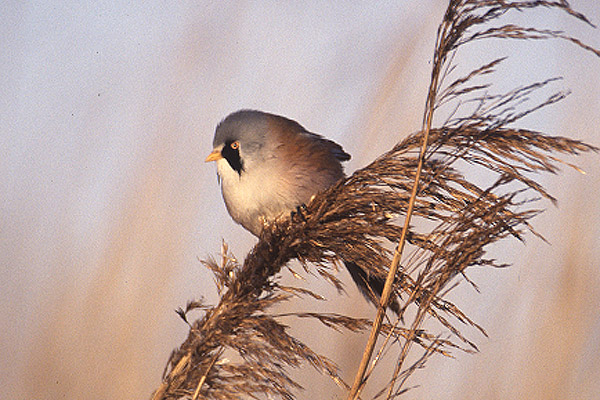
[{"x": 231, "y": 153}]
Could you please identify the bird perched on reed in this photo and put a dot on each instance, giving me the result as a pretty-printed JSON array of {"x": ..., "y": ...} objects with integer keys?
[{"x": 269, "y": 166}]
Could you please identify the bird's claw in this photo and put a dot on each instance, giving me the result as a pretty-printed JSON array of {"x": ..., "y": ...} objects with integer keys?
[{"x": 299, "y": 213}]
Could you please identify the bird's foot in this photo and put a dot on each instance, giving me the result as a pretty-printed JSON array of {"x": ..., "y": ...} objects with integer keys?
[{"x": 298, "y": 213}]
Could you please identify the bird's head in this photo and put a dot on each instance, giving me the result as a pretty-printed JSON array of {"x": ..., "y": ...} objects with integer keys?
[{"x": 240, "y": 140}]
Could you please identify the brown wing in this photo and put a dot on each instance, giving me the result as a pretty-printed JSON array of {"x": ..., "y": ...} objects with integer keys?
[{"x": 312, "y": 163}]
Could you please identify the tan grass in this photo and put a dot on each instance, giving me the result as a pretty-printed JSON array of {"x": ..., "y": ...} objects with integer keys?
[{"x": 359, "y": 217}]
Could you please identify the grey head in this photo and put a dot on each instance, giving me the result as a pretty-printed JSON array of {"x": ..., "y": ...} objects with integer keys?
[{"x": 241, "y": 132}]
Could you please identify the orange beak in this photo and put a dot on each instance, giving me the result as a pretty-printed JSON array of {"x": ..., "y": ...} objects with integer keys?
[{"x": 214, "y": 156}]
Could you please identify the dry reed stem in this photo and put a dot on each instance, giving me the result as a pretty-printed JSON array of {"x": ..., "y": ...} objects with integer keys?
[
  {"x": 203, "y": 378},
  {"x": 444, "y": 38},
  {"x": 357, "y": 219},
  {"x": 393, "y": 269}
]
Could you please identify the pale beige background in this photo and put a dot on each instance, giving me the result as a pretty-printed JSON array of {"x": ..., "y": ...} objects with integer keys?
[{"x": 107, "y": 112}]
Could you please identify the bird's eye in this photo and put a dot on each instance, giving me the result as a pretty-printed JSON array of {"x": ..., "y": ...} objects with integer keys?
[{"x": 235, "y": 145}]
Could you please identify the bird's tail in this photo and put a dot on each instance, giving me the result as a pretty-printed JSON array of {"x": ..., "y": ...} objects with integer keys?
[{"x": 371, "y": 286}]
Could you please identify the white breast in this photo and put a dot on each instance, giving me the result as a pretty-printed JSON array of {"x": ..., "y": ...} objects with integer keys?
[{"x": 263, "y": 194}]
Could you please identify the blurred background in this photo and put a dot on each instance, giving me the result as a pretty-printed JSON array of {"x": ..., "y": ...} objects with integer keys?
[{"x": 108, "y": 111}]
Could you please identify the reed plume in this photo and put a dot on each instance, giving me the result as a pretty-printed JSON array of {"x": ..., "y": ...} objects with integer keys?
[{"x": 240, "y": 348}]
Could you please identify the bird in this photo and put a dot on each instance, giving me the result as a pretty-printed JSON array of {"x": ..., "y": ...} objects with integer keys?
[{"x": 269, "y": 166}]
